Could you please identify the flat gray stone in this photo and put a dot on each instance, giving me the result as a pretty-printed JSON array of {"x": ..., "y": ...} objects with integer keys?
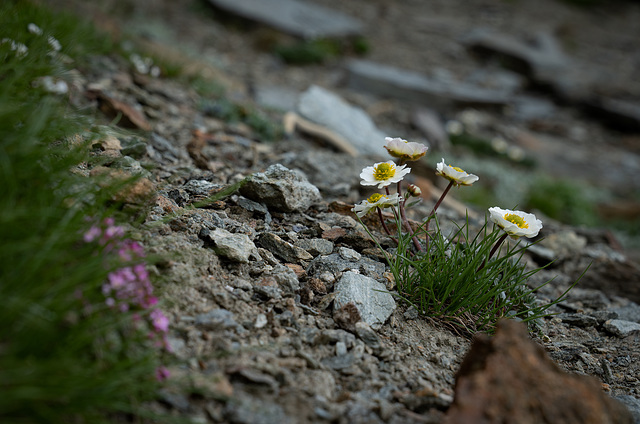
[
  {"x": 388, "y": 81},
  {"x": 235, "y": 247},
  {"x": 301, "y": 19},
  {"x": 372, "y": 299},
  {"x": 315, "y": 246},
  {"x": 283, "y": 249},
  {"x": 281, "y": 189},
  {"x": 217, "y": 319},
  {"x": 352, "y": 123},
  {"x": 630, "y": 312},
  {"x": 543, "y": 58},
  {"x": 621, "y": 328}
]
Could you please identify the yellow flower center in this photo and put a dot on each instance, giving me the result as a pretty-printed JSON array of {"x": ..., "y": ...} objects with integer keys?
[
  {"x": 384, "y": 171},
  {"x": 516, "y": 219},
  {"x": 458, "y": 169},
  {"x": 374, "y": 198}
]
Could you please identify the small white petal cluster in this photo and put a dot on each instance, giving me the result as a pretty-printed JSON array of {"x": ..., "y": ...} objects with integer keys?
[
  {"x": 375, "y": 201},
  {"x": 34, "y": 29},
  {"x": 405, "y": 150},
  {"x": 383, "y": 174},
  {"x": 52, "y": 85},
  {"x": 455, "y": 175},
  {"x": 515, "y": 223},
  {"x": 20, "y": 49}
]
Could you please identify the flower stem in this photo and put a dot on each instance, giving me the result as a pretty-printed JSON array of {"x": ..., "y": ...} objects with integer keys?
[
  {"x": 435, "y": 208},
  {"x": 444, "y": 193},
  {"x": 405, "y": 222},
  {"x": 386, "y": 229},
  {"x": 493, "y": 250}
]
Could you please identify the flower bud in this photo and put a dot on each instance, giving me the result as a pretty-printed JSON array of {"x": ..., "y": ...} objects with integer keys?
[{"x": 414, "y": 190}]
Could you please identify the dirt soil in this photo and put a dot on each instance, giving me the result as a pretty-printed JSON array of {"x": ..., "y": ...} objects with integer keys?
[{"x": 271, "y": 350}]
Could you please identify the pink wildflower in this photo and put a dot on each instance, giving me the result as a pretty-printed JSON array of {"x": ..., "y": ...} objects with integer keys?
[{"x": 159, "y": 320}]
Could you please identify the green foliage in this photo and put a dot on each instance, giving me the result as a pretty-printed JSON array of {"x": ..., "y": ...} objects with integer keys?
[
  {"x": 64, "y": 356},
  {"x": 234, "y": 112},
  {"x": 460, "y": 281},
  {"x": 308, "y": 52},
  {"x": 562, "y": 200},
  {"x": 318, "y": 51}
]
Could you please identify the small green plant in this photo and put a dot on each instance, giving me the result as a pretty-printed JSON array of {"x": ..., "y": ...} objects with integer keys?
[{"x": 471, "y": 281}]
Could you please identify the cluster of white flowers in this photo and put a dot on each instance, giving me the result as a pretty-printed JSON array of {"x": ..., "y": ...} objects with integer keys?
[
  {"x": 51, "y": 84},
  {"x": 383, "y": 174}
]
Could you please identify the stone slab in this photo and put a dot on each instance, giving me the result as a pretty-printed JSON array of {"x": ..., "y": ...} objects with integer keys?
[
  {"x": 388, "y": 81},
  {"x": 301, "y": 19},
  {"x": 352, "y": 123}
]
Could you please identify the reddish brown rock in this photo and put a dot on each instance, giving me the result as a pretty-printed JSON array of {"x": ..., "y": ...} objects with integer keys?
[{"x": 509, "y": 379}]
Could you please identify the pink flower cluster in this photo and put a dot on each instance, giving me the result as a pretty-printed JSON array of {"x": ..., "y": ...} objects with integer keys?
[{"x": 128, "y": 288}]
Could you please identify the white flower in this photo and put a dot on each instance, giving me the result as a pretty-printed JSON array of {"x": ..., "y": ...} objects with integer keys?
[
  {"x": 52, "y": 85},
  {"x": 404, "y": 150},
  {"x": 515, "y": 223},
  {"x": 20, "y": 49},
  {"x": 54, "y": 43},
  {"x": 34, "y": 29},
  {"x": 383, "y": 174},
  {"x": 455, "y": 174},
  {"x": 376, "y": 200}
]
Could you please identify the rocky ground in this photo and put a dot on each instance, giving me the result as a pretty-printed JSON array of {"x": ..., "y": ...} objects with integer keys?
[{"x": 251, "y": 281}]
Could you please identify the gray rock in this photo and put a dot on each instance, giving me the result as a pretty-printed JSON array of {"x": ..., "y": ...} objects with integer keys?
[
  {"x": 235, "y": 247},
  {"x": 352, "y": 123},
  {"x": 630, "y": 312},
  {"x": 335, "y": 264},
  {"x": 335, "y": 174},
  {"x": 349, "y": 254},
  {"x": 200, "y": 187},
  {"x": 368, "y": 335},
  {"x": 621, "y": 328},
  {"x": 603, "y": 316},
  {"x": 411, "y": 313},
  {"x": 283, "y": 249},
  {"x": 370, "y": 297},
  {"x": 132, "y": 166},
  {"x": 245, "y": 409},
  {"x": 315, "y": 246},
  {"x": 579, "y": 320},
  {"x": 632, "y": 404},
  {"x": 387, "y": 81},
  {"x": 431, "y": 125},
  {"x": 339, "y": 362},
  {"x": 285, "y": 277},
  {"x": 564, "y": 243},
  {"x": 281, "y": 189},
  {"x": 281, "y": 98},
  {"x": 162, "y": 150},
  {"x": 543, "y": 58},
  {"x": 268, "y": 292},
  {"x": 301, "y": 19},
  {"x": 217, "y": 319}
]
